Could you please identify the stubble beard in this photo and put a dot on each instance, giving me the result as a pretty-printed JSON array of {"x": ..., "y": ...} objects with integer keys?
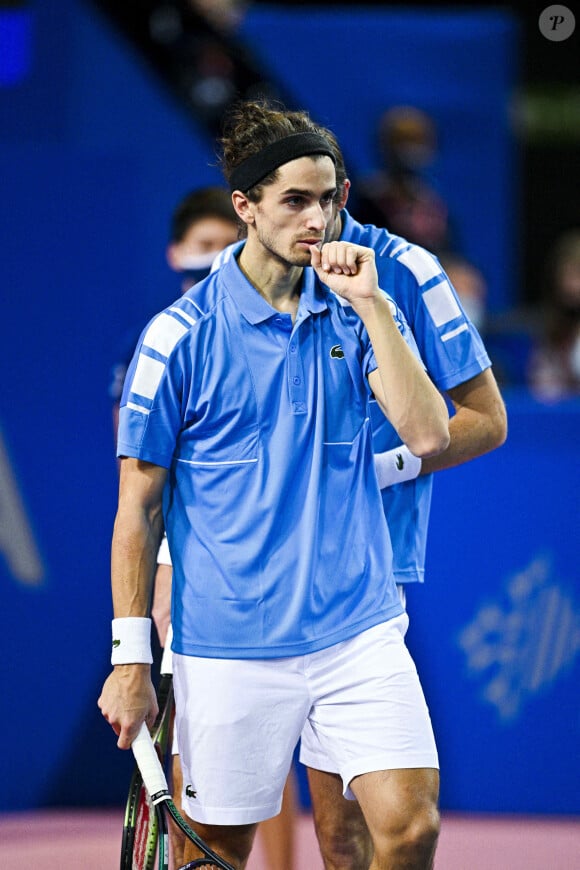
[{"x": 292, "y": 256}]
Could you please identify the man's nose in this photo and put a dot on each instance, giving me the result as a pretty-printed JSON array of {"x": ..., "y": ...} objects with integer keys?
[{"x": 317, "y": 217}]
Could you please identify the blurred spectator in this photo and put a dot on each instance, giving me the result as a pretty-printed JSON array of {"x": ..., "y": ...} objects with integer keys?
[
  {"x": 470, "y": 285},
  {"x": 197, "y": 46},
  {"x": 202, "y": 224},
  {"x": 401, "y": 195},
  {"x": 554, "y": 369},
  {"x": 224, "y": 15}
]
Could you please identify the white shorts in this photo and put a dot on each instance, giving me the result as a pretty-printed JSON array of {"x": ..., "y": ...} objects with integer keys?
[
  {"x": 163, "y": 554},
  {"x": 358, "y": 705}
]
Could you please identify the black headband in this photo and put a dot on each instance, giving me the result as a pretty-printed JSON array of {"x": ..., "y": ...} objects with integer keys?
[{"x": 259, "y": 165}]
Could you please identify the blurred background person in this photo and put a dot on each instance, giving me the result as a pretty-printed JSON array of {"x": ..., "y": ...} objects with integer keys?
[
  {"x": 402, "y": 195},
  {"x": 202, "y": 224},
  {"x": 554, "y": 366},
  {"x": 471, "y": 287},
  {"x": 224, "y": 15}
]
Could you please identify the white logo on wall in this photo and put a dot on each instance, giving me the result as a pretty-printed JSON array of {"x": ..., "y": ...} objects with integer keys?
[
  {"x": 520, "y": 646},
  {"x": 16, "y": 539}
]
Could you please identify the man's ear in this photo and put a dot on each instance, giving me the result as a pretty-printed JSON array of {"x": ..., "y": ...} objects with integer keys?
[
  {"x": 341, "y": 202},
  {"x": 243, "y": 206}
]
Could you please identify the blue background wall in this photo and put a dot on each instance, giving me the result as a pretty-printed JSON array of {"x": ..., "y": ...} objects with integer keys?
[
  {"x": 95, "y": 154},
  {"x": 348, "y": 65}
]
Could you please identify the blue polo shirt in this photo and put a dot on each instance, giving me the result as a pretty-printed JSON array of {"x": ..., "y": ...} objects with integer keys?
[
  {"x": 452, "y": 352},
  {"x": 272, "y": 509}
]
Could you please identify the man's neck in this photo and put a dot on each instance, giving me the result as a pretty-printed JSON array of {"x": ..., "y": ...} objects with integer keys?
[{"x": 277, "y": 282}]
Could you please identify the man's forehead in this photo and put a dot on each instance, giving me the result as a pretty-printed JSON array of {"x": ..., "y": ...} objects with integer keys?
[{"x": 313, "y": 172}]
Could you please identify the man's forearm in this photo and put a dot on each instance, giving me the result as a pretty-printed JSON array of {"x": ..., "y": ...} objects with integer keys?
[
  {"x": 478, "y": 426},
  {"x": 136, "y": 537},
  {"x": 133, "y": 565},
  {"x": 410, "y": 400},
  {"x": 471, "y": 435}
]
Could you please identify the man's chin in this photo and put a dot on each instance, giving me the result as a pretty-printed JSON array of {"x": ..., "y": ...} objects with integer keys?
[{"x": 302, "y": 255}]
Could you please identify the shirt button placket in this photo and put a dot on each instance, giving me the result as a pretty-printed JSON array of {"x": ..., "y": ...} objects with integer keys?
[{"x": 296, "y": 377}]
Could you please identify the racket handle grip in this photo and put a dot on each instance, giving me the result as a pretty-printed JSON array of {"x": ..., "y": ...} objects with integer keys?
[{"x": 150, "y": 766}]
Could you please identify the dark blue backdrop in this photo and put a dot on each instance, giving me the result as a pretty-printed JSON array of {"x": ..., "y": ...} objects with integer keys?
[
  {"x": 95, "y": 155},
  {"x": 461, "y": 66}
]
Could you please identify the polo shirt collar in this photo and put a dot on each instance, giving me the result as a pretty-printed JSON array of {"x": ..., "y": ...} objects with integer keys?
[{"x": 313, "y": 294}]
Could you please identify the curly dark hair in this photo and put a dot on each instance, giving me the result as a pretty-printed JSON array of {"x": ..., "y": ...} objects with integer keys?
[{"x": 250, "y": 126}]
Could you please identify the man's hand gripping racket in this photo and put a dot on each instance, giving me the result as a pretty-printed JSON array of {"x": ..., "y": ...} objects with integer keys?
[
  {"x": 153, "y": 775},
  {"x": 140, "y": 826}
]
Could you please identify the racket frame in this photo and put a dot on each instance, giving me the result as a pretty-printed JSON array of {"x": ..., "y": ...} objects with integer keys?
[{"x": 156, "y": 784}]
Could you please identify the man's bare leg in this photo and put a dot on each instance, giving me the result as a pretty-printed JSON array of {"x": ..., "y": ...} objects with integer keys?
[
  {"x": 176, "y": 837},
  {"x": 278, "y": 834},
  {"x": 232, "y": 842},
  {"x": 344, "y": 839},
  {"x": 400, "y": 809}
]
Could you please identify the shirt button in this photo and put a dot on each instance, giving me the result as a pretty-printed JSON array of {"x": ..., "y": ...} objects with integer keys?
[
  {"x": 296, "y": 381},
  {"x": 292, "y": 348}
]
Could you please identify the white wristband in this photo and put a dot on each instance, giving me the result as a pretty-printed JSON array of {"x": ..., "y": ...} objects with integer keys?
[
  {"x": 396, "y": 466},
  {"x": 131, "y": 641}
]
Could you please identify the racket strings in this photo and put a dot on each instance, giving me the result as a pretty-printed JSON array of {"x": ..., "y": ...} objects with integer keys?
[{"x": 199, "y": 862}]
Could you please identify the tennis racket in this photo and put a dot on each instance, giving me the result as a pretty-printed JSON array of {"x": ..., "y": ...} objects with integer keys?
[
  {"x": 140, "y": 827},
  {"x": 165, "y": 810}
]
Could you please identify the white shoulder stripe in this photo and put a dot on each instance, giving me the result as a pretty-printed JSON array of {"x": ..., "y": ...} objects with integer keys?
[
  {"x": 185, "y": 316},
  {"x": 421, "y": 263},
  {"x": 403, "y": 244},
  {"x": 163, "y": 334},
  {"x": 147, "y": 377},
  {"x": 224, "y": 256},
  {"x": 441, "y": 303}
]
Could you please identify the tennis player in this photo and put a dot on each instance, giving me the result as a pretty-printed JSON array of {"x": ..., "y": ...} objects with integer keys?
[
  {"x": 456, "y": 360},
  {"x": 245, "y": 422}
]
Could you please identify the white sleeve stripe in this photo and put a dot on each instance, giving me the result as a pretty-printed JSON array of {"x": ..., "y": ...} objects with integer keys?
[
  {"x": 162, "y": 335},
  {"x": 134, "y": 407},
  {"x": 421, "y": 263},
  {"x": 454, "y": 332},
  {"x": 441, "y": 303}
]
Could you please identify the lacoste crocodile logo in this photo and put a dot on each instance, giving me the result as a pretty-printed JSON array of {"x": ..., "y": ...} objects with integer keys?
[
  {"x": 336, "y": 352},
  {"x": 190, "y": 792},
  {"x": 116, "y": 643},
  {"x": 400, "y": 462}
]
